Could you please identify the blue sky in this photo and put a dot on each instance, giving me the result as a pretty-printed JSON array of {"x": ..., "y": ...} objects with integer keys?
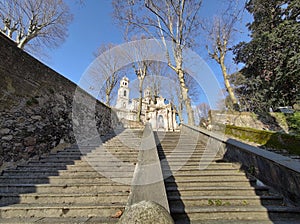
[{"x": 93, "y": 25}]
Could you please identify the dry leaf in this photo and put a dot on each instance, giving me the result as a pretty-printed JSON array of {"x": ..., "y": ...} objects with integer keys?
[{"x": 118, "y": 214}]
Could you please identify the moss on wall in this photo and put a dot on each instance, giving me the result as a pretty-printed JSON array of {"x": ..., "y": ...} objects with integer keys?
[{"x": 269, "y": 139}]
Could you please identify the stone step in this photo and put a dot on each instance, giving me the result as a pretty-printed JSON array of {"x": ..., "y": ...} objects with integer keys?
[
  {"x": 210, "y": 191},
  {"x": 235, "y": 213},
  {"x": 57, "y": 210},
  {"x": 183, "y": 164},
  {"x": 195, "y": 166},
  {"x": 184, "y": 169},
  {"x": 98, "y": 157},
  {"x": 185, "y": 220},
  {"x": 64, "y": 173},
  {"x": 189, "y": 160},
  {"x": 80, "y": 163},
  {"x": 167, "y": 149},
  {"x": 112, "y": 158},
  {"x": 73, "y": 168},
  {"x": 61, "y": 180},
  {"x": 114, "y": 151},
  {"x": 63, "y": 188},
  {"x": 59, "y": 198},
  {"x": 126, "y": 145},
  {"x": 198, "y": 183},
  {"x": 96, "y": 153},
  {"x": 60, "y": 220},
  {"x": 188, "y": 156},
  {"x": 77, "y": 151},
  {"x": 89, "y": 159},
  {"x": 221, "y": 200},
  {"x": 180, "y": 151},
  {"x": 56, "y": 163},
  {"x": 208, "y": 177},
  {"x": 63, "y": 157},
  {"x": 212, "y": 172}
]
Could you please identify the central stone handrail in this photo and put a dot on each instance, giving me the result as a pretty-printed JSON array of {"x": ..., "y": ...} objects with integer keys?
[{"x": 148, "y": 182}]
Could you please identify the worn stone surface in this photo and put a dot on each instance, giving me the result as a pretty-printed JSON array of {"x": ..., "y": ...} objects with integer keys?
[
  {"x": 146, "y": 212},
  {"x": 36, "y": 107}
]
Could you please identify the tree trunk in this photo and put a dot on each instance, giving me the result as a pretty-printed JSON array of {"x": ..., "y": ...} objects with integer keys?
[
  {"x": 22, "y": 42},
  {"x": 228, "y": 86},
  {"x": 107, "y": 99},
  {"x": 185, "y": 97},
  {"x": 140, "y": 99},
  {"x": 180, "y": 112}
]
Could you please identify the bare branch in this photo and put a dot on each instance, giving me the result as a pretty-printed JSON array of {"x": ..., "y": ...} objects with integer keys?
[{"x": 38, "y": 23}]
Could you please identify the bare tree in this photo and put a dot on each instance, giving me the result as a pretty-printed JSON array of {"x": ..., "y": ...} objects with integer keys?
[
  {"x": 106, "y": 71},
  {"x": 220, "y": 34},
  {"x": 174, "y": 20},
  {"x": 156, "y": 79},
  {"x": 35, "y": 23},
  {"x": 175, "y": 93},
  {"x": 176, "y": 98},
  {"x": 137, "y": 54},
  {"x": 141, "y": 70},
  {"x": 202, "y": 112}
]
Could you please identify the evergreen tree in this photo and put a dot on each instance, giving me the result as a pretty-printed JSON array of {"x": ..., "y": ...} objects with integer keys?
[{"x": 272, "y": 57}]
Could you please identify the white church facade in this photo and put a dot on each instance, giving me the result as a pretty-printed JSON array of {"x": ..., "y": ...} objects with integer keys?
[{"x": 155, "y": 110}]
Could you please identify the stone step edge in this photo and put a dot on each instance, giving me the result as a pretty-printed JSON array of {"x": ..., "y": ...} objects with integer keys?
[
  {"x": 32, "y": 206},
  {"x": 214, "y": 209},
  {"x": 225, "y": 197},
  {"x": 65, "y": 185},
  {"x": 61, "y": 220},
  {"x": 216, "y": 188}
]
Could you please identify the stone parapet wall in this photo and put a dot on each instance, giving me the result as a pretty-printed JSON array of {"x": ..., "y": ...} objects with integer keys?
[
  {"x": 267, "y": 121},
  {"x": 36, "y": 106}
]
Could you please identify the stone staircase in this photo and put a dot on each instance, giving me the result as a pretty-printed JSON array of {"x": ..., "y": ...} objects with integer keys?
[
  {"x": 90, "y": 184},
  {"x": 221, "y": 193}
]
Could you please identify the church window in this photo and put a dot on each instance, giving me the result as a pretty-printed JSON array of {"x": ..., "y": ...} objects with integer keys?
[
  {"x": 124, "y": 105},
  {"x": 125, "y": 93}
]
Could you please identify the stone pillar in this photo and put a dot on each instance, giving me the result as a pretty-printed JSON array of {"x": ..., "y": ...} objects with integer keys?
[
  {"x": 167, "y": 116},
  {"x": 174, "y": 120}
]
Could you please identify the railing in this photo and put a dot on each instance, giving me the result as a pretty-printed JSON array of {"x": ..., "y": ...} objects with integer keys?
[
  {"x": 277, "y": 171},
  {"x": 148, "y": 182}
]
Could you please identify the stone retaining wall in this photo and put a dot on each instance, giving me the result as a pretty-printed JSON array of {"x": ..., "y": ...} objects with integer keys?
[
  {"x": 267, "y": 121},
  {"x": 36, "y": 106}
]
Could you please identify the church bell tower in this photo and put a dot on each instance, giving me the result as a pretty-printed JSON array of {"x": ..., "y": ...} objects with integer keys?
[{"x": 123, "y": 94}]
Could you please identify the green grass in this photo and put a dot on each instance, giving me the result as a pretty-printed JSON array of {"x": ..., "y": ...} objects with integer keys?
[
  {"x": 294, "y": 122},
  {"x": 218, "y": 202}
]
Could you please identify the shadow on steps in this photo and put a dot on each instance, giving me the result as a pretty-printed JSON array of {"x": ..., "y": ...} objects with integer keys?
[{"x": 25, "y": 179}]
